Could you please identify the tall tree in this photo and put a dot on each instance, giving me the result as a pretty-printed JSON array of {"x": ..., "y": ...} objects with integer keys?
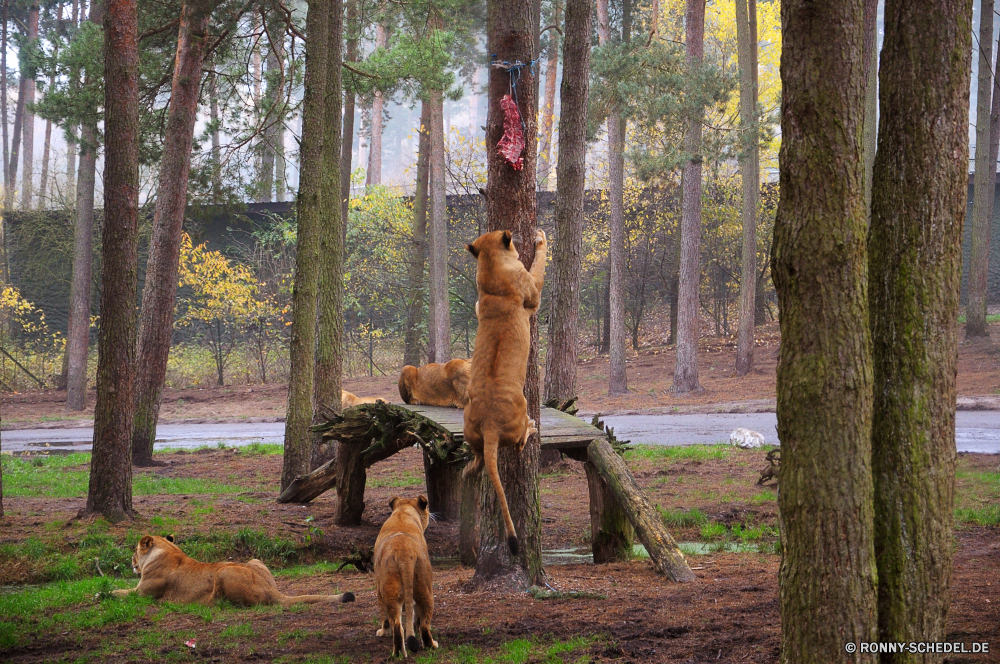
[
  {"x": 78, "y": 330},
  {"x": 156, "y": 324},
  {"x": 824, "y": 376},
  {"x": 984, "y": 184},
  {"x": 511, "y": 204},
  {"x": 15, "y": 141},
  {"x": 746, "y": 36},
  {"x": 548, "y": 105},
  {"x": 571, "y": 174},
  {"x": 216, "y": 122},
  {"x": 302, "y": 351},
  {"x": 374, "y": 174},
  {"x": 686, "y": 366},
  {"x": 919, "y": 199},
  {"x": 3, "y": 102},
  {"x": 439, "y": 327},
  {"x": 352, "y": 26},
  {"x": 110, "y": 491},
  {"x": 418, "y": 256},
  {"x": 870, "y": 44},
  {"x": 28, "y": 128}
]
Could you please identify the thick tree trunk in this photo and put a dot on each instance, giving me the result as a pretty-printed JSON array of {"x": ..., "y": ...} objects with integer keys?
[
  {"x": 920, "y": 189},
  {"x": 110, "y": 491},
  {"x": 824, "y": 381},
  {"x": 418, "y": 257},
  {"x": 330, "y": 328},
  {"x": 468, "y": 529},
  {"x": 28, "y": 129},
  {"x": 3, "y": 104},
  {"x": 870, "y": 55},
  {"x": 351, "y": 28},
  {"x": 984, "y": 185},
  {"x": 686, "y": 367},
  {"x": 444, "y": 487},
  {"x": 71, "y": 150},
  {"x": 156, "y": 323},
  {"x": 746, "y": 35},
  {"x": 374, "y": 174},
  {"x": 564, "y": 316},
  {"x": 511, "y": 204},
  {"x": 440, "y": 310},
  {"x": 548, "y": 107},
  {"x": 302, "y": 351}
]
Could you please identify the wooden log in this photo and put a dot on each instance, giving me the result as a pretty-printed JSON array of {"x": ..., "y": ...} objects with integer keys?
[
  {"x": 611, "y": 532},
  {"x": 306, "y": 487},
  {"x": 444, "y": 487},
  {"x": 468, "y": 530},
  {"x": 663, "y": 550},
  {"x": 351, "y": 476}
]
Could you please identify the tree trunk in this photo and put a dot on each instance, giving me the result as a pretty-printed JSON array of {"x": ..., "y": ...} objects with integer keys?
[
  {"x": 302, "y": 351},
  {"x": 870, "y": 55},
  {"x": 213, "y": 106},
  {"x": 548, "y": 109},
  {"x": 3, "y": 103},
  {"x": 43, "y": 181},
  {"x": 15, "y": 147},
  {"x": 28, "y": 129},
  {"x": 156, "y": 323},
  {"x": 824, "y": 381},
  {"x": 611, "y": 533},
  {"x": 920, "y": 191},
  {"x": 110, "y": 491},
  {"x": 686, "y": 366},
  {"x": 71, "y": 149},
  {"x": 468, "y": 530},
  {"x": 440, "y": 311},
  {"x": 330, "y": 329},
  {"x": 265, "y": 178},
  {"x": 415, "y": 276},
  {"x": 511, "y": 204},
  {"x": 746, "y": 35},
  {"x": 78, "y": 328},
  {"x": 564, "y": 317},
  {"x": 351, "y": 28},
  {"x": 444, "y": 487},
  {"x": 984, "y": 186},
  {"x": 374, "y": 174}
]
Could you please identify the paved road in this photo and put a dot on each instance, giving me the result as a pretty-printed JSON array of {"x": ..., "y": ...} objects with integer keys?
[{"x": 977, "y": 431}]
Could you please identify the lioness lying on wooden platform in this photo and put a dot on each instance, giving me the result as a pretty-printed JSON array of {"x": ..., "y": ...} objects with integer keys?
[
  {"x": 436, "y": 384},
  {"x": 167, "y": 573},
  {"x": 347, "y": 400}
]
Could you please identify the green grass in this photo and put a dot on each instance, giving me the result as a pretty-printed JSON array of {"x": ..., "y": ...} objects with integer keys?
[
  {"x": 990, "y": 318},
  {"x": 984, "y": 516},
  {"x": 407, "y": 479},
  {"x": 681, "y": 453},
  {"x": 261, "y": 449},
  {"x": 238, "y": 630},
  {"x": 298, "y": 571},
  {"x": 543, "y": 594},
  {"x": 682, "y": 518},
  {"x": 765, "y": 496},
  {"x": 977, "y": 497},
  {"x": 713, "y": 531},
  {"x": 518, "y": 651}
]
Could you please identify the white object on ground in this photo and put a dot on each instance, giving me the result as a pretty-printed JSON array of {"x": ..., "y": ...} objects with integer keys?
[{"x": 746, "y": 438}]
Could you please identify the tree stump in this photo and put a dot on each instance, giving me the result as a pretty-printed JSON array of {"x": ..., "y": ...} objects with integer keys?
[
  {"x": 444, "y": 486},
  {"x": 611, "y": 532}
]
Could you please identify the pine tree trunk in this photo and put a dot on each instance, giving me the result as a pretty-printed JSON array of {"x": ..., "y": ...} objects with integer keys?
[
  {"x": 43, "y": 181},
  {"x": 686, "y": 367},
  {"x": 70, "y": 138},
  {"x": 564, "y": 316},
  {"x": 511, "y": 204},
  {"x": 351, "y": 28},
  {"x": 78, "y": 329},
  {"x": 984, "y": 186},
  {"x": 110, "y": 491},
  {"x": 15, "y": 146},
  {"x": 746, "y": 35},
  {"x": 330, "y": 328},
  {"x": 302, "y": 351},
  {"x": 440, "y": 311},
  {"x": 213, "y": 106},
  {"x": 920, "y": 191},
  {"x": 824, "y": 381},
  {"x": 28, "y": 129},
  {"x": 870, "y": 55},
  {"x": 415, "y": 276},
  {"x": 265, "y": 178},
  {"x": 156, "y": 323},
  {"x": 3, "y": 103},
  {"x": 374, "y": 174},
  {"x": 548, "y": 107}
]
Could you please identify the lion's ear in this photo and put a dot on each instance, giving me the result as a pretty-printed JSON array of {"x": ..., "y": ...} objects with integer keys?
[
  {"x": 422, "y": 502},
  {"x": 169, "y": 538},
  {"x": 392, "y": 502},
  {"x": 472, "y": 250},
  {"x": 506, "y": 239},
  {"x": 146, "y": 542}
]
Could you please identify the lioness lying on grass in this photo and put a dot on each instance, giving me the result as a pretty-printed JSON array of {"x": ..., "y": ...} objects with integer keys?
[{"x": 167, "y": 573}]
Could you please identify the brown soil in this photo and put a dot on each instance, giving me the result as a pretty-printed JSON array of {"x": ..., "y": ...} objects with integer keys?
[
  {"x": 650, "y": 375},
  {"x": 730, "y": 614}
]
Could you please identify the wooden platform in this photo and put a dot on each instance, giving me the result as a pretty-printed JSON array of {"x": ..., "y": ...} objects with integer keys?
[{"x": 560, "y": 431}]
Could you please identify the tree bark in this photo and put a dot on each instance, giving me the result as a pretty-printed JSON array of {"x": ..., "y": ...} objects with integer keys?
[
  {"x": 71, "y": 150},
  {"x": 3, "y": 103},
  {"x": 440, "y": 310},
  {"x": 686, "y": 366},
  {"x": 611, "y": 533},
  {"x": 28, "y": 128},
  {"x": 351, "y": 28},
  {"x": 468, "y": 528},
  {"x": 330, "y": 328},
  {"x": 156, "y": 323},
  {"x": 43, "y": 181},
  {"x": 920, "y": 191},
  {"x": 374, "y": 174},
  {"x": 110, "y": 490},
  {"x": 15, "y": 146},
  {"x": 265, "y": 180},
  {"x": 870, "y": 55},
  {"x": 824, "y": 381},
  {"x": 548, "y": 108},
  {"x": 213, "y": 111},
  {"x": 302, "y": 351},
  {"x": 511, "y": 204},
  {"x": 418, "y": 257},
  {"x": 746, "y": 35},
  {"x": 984, "y": 186},
  {"x": 571, "y": 173},
  {"x": 443, "y": 480}
]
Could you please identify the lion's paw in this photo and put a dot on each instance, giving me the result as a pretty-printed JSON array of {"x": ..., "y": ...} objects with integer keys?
[
  {"x": 540, "y": 238},
  {"x": 532, "y": 429},
  {"x": 380, "y": 632},
  {"x": 121, "y": 592}
]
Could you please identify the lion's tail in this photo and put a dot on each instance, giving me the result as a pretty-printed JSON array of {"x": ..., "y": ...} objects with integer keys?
[
  {"x": 342, "y": 598},
  {"x": 491, "y": 445}
]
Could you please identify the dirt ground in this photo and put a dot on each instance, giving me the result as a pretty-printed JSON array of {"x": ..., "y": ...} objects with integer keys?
[
  {"x": 731, "y": 614},
  {"x": 650, "y": 375}
]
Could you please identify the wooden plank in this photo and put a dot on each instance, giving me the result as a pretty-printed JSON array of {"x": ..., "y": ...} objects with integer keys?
[{"x": 559, "y": 430}]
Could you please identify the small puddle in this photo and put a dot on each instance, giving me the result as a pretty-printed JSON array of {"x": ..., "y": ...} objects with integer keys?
[{"x": 567, "y": 556}]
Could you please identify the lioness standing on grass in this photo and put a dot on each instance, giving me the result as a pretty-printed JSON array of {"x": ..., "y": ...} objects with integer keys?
[
  {"x": 497, "y": 413},
  {"x": 403, "y": 576}
]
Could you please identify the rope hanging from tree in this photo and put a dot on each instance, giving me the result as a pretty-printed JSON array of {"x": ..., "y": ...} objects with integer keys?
[{"x": 512, "y": 144}]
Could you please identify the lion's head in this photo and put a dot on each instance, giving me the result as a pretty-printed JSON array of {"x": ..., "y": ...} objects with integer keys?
[
  {"x": 147, "y": 546},
  {"x": 415, "y": 508}
]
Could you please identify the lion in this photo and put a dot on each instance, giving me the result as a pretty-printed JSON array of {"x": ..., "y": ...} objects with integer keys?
[
  {"x": 497, "y": 413},
  {"x": 436, "y": 384},
  {"x": 347, "y": 400},
  {"x": 167, "y": 573},
  {"x": 403, "y": 576}
]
